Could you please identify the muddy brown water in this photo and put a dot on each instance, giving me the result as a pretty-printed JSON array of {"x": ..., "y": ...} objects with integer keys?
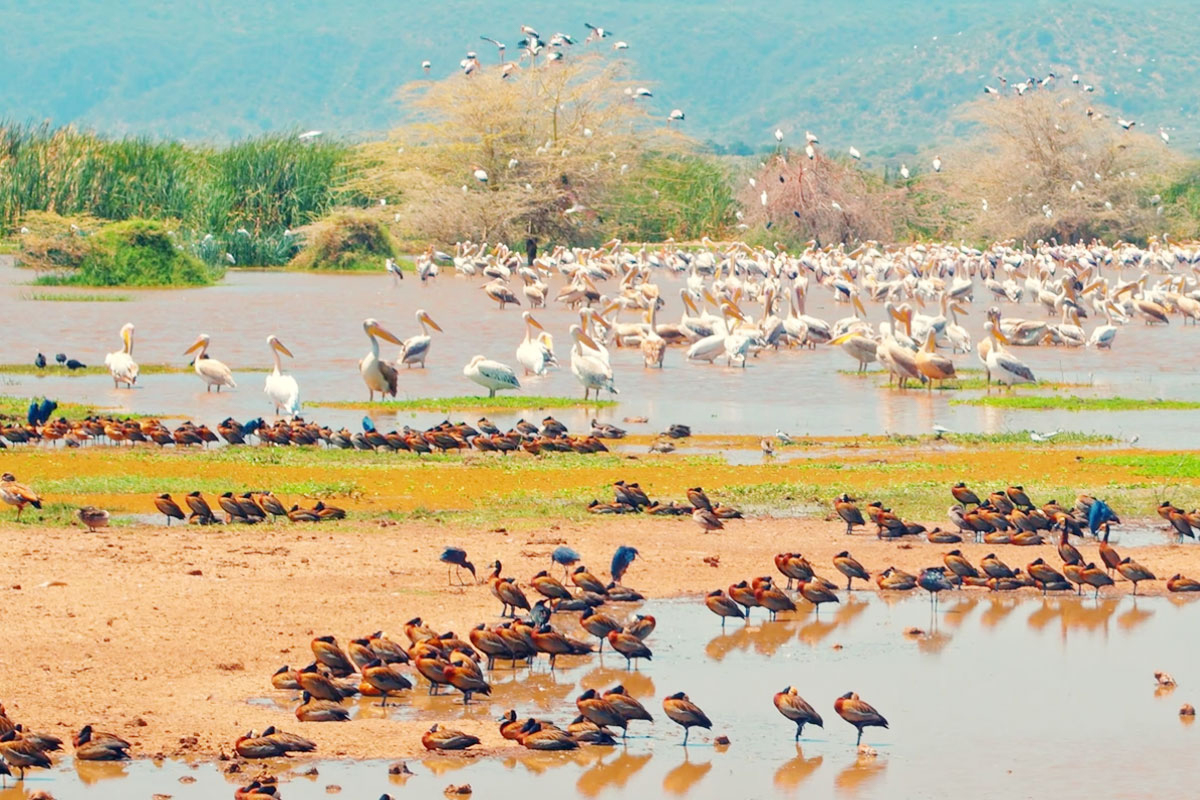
[
  {"x": 997, "y": 696},
  {"x": 319, "y": 316}
]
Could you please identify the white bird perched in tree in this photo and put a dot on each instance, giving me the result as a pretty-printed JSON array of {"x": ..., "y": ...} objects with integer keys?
[
  {"x": 491, "y": 375},
  {"x": 854, "y": 153},
  {"x": 763, "y": 197},
  {"x": 530, "y": 32},
  {"x": 937, "y": 163},
  {"x": 426, "y": 64},
  {"x": 620, "y": 45},
  {"x": 1075, "y": 78},
  {"x": 307, "y": 135},
  {"x": 810, "y": 151},
  {"x": 990, "y": 90},
  {"x": 479, "y": 173},
  {"x": 229, "y": 257},
  {"x": 1126, "y": 123},
  {"x": 835, "y": 205},
  {"x": 1162, "y": 134},
  {"x": 778, "y": 135},
  {"x": 677, "y": 115},
  {"x": 811, "y": 137},
  {"x": 904, "y": 171},
  {"x": 642, "y": 91}
]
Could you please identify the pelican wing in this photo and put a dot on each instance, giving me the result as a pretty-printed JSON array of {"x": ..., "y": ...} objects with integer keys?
[
  {"x": 1009, "y": 364},
  {"x": 389, "y": 375},
  {"x": 498, "y": 373},
  {"x": 214, "y": 372},
  {"x": 414, "y": 347}
]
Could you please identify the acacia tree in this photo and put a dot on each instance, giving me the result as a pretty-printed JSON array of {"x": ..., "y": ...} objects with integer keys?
[
  {"x": 820, "y": 198},
  {"x": 1045, "y": 165},
  {"x": 554, "y": 138}
]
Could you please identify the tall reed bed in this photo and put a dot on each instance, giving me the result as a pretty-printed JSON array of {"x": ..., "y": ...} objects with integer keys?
[{"x": 242, "y": 200}]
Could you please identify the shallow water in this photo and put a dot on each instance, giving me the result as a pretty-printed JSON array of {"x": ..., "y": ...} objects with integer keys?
[
  {"x": 1001, "y": 697},
  {"x": 319, "y": 317}
]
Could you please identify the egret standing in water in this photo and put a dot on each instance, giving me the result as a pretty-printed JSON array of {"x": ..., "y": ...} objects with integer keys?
[
  {"x": 211, "y": 371},
  {"x": 120, "y": 363},
  {"x": 379, "y": 375},
  {"x": 282, "y": 389},
  {"x": 491, "y": 375},
  {"x": 416, "y": 348}
]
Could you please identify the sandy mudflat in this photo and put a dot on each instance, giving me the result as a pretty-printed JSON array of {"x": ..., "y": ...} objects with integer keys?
[{"x": 136, "y": 643}]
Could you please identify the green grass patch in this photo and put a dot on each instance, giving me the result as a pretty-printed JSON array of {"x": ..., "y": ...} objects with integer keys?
[
  {"x": 1005, "y": 438},
  {"x": 1157, "y": 465},
  {"x": 1071, "y": 403},
  {"x": 75, "y": 297},
  {"x": 18, "y": 406},
  {"x": 497, "y": 403}
]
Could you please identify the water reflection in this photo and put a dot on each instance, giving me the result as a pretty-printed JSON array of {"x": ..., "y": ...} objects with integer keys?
[
  {"x": 796, "y": 771},
  {"x": 613, "y": 773},
  {"x": 968, "y": 658},
  {"x": 864, "y": 771},
  {"x": 683, "y": 778},
  {"x": 735, "y": 400}
]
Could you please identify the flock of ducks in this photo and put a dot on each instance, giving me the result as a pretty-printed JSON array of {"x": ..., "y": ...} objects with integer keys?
[
  {"x": 247, "y": 508},
  {"x": 630, "y": 498},
  {"x": 22, "y": 749}
]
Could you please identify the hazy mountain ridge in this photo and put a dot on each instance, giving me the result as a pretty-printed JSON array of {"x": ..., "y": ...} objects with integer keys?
[{"x": 869, "y": 73}]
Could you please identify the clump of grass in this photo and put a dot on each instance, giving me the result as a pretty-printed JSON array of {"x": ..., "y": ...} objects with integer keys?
[
  {"x": 499, "y": 402},
  {"x": 75, "y": 297},
  {"x": 349, "y": 240},
  {"x": 1157, "y": 465},
  {"x": 1072, "y": 403},
  {"x": 19, "y": 406}
]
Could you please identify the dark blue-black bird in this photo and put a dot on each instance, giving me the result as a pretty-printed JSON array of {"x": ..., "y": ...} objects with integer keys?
[
  {"x": 31, "y": 416},
  {"x": 564, "y": 556},
  {"x": 540, "y": 614},
  {"x": 368, "y": 425},
  {"x": 621, "y": 560},
  {"x": 934, "y": 580},
  {"x": 252, "y": 426},
  {"x": 40, "y": 361},
  {"x": 1099, "y": 514},
  {"x": 73, "y": 364},
  {"x": 457, "y": 557},
  {"x": 45, "y": 409},
  {"x": 61, "y": 358}
]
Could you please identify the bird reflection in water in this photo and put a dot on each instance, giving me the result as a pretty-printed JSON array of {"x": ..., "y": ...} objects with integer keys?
[
  {"x": 91, "y": 772},
  {"x": 797, "y": 770},
  {"x": 636, "y": 684},
  {"x": 680, "y": 780},
  {"x": 864, "y": 771},
  {"x": 611, "y": 774}
]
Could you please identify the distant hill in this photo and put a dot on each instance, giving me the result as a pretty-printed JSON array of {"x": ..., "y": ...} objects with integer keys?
[{"x": 871, "y": 73}]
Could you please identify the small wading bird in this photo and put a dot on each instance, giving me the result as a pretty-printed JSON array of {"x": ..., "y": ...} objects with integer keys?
[
  {"x": 683, "y": 711},
  {"x": 120, "y": 363},
  {"x": 859, "y": 714},
  {"x": 282, "y": 389},
  {"x": 211, "y": 371},
  {"x": 93, "y": 517}
]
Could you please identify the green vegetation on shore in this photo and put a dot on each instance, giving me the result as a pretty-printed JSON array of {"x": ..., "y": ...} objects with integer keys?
[
  {"x": 75, "y": 297},
  {"x": 1072, "y": 403}
]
